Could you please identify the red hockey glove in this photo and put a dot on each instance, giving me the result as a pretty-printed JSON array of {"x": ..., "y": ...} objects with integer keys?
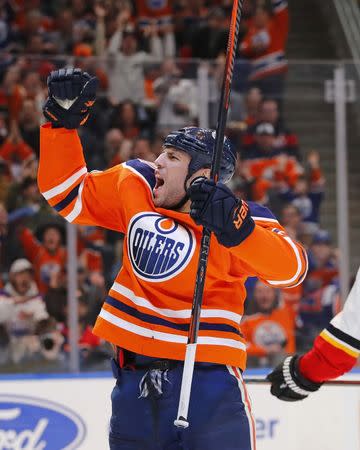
[
  {"x": 214, "y": 206},
  {"x": 72, "y": 93},
  {"x": 288, "y": 384}
]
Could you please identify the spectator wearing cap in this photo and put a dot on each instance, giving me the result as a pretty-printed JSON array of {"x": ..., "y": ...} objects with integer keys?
[
  {"x": 21, "y": 308},
  {"x": 270, "y": 332},
  {"x": 323, "y": 265},
  {"x": 285, "y": 140},
  {"x": 264, "y": 45},
  {"x": 265, "y": 166}
]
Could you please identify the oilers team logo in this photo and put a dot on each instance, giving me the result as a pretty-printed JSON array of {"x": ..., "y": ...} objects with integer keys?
[{"x": 158, "y": 247}]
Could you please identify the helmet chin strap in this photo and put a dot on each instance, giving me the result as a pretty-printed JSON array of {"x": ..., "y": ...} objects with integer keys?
[
  {"x": 186, "y": 197},
  {"x": 181, "y": 202}
]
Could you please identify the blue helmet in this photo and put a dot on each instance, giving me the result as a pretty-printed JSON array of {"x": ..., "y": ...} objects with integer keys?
[{"x": 199, "y": 143}]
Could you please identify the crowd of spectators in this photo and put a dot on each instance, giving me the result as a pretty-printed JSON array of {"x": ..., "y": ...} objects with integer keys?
[{"x": 146, "y": 56}]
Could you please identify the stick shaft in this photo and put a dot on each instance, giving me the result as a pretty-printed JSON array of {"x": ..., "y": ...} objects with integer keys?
[{"x": 205, "y": 240}]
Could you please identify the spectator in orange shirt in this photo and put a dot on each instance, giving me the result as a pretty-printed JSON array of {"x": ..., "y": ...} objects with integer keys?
[
  {"x": 264, "y": 44},
  {"x": 270, "y": 333},
  {"x": 266, "y": 166},
  {"x": 46, "y": 254}
]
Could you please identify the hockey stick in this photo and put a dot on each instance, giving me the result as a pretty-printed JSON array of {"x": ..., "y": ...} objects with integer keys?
[
  {"x": 326, "y": 383},
  {"x": 189, "y": 362}
]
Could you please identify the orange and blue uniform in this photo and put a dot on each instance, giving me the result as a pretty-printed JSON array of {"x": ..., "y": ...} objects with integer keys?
[
  {"x": 148, "y": 307},
  {"x": 271, "y": 60}
]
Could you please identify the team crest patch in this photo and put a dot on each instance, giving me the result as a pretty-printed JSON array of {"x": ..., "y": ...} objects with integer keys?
[{"x": 159, "y": 248}]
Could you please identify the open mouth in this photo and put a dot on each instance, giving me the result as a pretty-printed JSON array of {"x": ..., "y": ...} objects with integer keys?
[{"x": 159, "y": 182}]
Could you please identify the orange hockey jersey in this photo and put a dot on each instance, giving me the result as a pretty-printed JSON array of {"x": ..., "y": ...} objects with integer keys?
[
  {"x": 272, "y": 59},
  {"x": 148, "y": 307},
  {"x": 263, "y": 330}
]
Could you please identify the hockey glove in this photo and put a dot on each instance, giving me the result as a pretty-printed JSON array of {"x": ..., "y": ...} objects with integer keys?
[
  {"x": 215, "y": 207},
  {"x": 72, "y": 93},
  {"x": 288, "y": 384}
]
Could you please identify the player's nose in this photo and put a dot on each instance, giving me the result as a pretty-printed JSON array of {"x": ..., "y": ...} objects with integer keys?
[{"x": 159, "y": 161}]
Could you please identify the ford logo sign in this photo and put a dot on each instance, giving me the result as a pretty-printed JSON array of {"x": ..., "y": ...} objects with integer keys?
[{"x": 35, "y": 424}]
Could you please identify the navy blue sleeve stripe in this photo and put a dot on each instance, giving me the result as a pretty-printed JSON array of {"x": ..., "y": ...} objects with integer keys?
[
  {"x": 117, "y": 304},
  {"x": 257, "y": 210},
  {"x": 68, "y": 199},
  {"x": 143, "y": 169}
]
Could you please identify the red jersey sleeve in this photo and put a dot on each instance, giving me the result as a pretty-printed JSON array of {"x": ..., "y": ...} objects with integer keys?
[
  {"x": 337, "y": 348},
  {"x": 89, "y": 198}
]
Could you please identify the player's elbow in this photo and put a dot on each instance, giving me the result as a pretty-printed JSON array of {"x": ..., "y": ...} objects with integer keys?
[{"x": 295, "y": 266}]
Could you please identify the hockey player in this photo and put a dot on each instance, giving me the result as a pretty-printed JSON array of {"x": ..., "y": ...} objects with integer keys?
[
  {"x": 334, "y": 353},
  {"x": 146, "y": 315}
]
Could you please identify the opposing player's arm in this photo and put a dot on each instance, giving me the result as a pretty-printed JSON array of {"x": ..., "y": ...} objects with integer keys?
[
  {"x": 337, "y": 348},
  {"x": 334, "y": 353}
]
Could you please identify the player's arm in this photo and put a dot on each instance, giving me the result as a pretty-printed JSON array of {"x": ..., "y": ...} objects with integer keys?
[
  {"x": 334, "y": 353},
  {"x": 252, "y": 234},
  {"x": 94, "y": 198}
]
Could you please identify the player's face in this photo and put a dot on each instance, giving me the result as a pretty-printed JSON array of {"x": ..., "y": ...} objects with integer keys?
[{"x": 171, "y": 170}]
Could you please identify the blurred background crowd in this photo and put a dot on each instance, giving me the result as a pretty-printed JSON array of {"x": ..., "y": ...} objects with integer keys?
[{"x": 147, "y": 56}]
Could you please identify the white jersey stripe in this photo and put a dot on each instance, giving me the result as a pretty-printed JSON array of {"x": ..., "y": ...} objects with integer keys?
[
  {"x": 64, "y": 185},
  {"x": 178, "y": 314},
  {"x": 78, "y": 205},
  {"x": 265, "y": 219},
  {"x": 299, "y": 266},
  {"x": 167, "y": 337}
]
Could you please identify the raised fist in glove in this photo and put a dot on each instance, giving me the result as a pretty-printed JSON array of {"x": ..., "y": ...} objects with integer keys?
[
  {"x": 214, "y": 206},
  {"x": 72, "y": 93},
  {"x": 288, "y": 384}
]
